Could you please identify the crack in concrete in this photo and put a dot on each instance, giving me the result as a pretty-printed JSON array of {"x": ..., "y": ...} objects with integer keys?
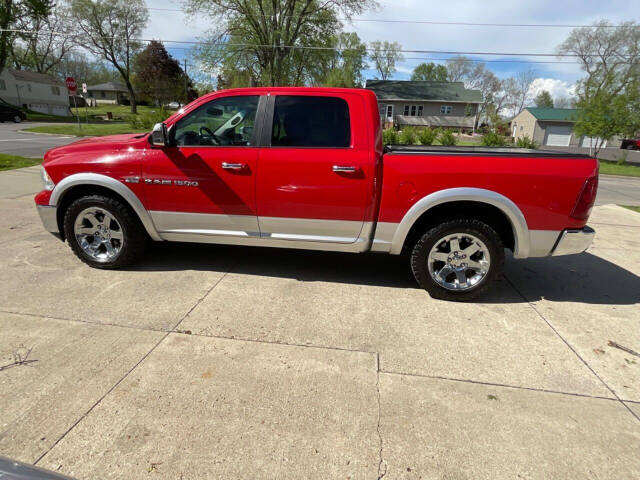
[
  {"x": 382, "y": 465},
  {"x": 566, "y": 342}
]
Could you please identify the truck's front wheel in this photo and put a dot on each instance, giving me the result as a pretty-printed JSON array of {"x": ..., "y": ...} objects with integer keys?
[
  {"x": 458, "y": 259},
  {"x": 103, "y": 232}
]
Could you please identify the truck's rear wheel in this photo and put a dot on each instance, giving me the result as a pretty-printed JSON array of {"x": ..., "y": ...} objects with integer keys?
[
  {"x": 103, "y": 232},
  {"x": 458, "y": 259}
]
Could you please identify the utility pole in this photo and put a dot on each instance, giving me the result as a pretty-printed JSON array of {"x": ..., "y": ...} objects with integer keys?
[{"x": 186, "y": 95}]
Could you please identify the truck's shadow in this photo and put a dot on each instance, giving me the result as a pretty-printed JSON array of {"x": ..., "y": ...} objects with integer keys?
[{"x": 582, "y": 278}]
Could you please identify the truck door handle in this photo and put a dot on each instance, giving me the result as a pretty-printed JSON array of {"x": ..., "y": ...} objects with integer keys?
[
  {"x": 233, "y": 166},
  {"x": 344, "y": 169}
]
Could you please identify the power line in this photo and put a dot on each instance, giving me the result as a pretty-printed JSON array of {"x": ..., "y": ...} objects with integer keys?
[
  {"x": 319, "y": 48},
  {"x": 435, "y": 22}
]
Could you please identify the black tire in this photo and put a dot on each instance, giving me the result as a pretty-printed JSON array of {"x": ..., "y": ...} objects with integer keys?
[
  {"x": 17, "y": 119},
  {"x": 135, "y": 239},
  {"x": 421, "y": 249}
]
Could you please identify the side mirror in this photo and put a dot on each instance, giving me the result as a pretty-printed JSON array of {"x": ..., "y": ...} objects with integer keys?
[{"x": 159, "y": 135}]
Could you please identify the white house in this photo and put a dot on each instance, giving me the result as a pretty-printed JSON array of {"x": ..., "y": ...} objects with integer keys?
[{"x": 35, "y": 91}]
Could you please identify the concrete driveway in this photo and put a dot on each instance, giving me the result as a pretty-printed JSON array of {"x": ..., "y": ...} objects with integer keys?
[
  {"x": 223, "y": 362},
  {"x": 15, "y": 142}
]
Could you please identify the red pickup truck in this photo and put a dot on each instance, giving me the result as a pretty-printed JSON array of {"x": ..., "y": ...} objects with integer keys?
[{"x": 306, "y": 168}]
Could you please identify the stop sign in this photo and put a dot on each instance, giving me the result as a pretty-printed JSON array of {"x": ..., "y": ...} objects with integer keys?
[{"x": 71, "y": 84}]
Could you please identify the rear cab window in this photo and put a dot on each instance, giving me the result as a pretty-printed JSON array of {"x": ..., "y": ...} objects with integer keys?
[{"x": 311, "y": 121}]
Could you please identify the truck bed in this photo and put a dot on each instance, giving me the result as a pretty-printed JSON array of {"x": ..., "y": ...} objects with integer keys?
[{"x": 477, "y": 151}]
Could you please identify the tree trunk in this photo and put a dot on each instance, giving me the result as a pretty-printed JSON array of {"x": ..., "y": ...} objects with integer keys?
[{"x": 132, "y": 96}]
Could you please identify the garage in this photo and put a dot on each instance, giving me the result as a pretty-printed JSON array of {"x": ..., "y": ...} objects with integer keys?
[
  {"x": 591, "y": 142},
  {"x": 558, "y": 135}
]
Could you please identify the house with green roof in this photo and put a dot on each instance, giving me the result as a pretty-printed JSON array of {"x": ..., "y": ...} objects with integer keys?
[
  {"x": 552, "y": 127},
  {"x": 426, "y": 104}
]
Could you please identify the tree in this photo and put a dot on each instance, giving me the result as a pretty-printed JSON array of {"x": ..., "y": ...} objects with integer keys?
[
  {"x": 91, "y": 72},
  {"x": 522, "y": 90},
  {"x": 608, "y": 99},
  {"x": 562, "y": 102},
  {"x": 111, "y": 29},
  {"x": 544, "y": 100},
  {"x": 159, "y": 76},
  {"x": 270, "y": 43},
  {"x": 458, "y": 68},
  {"x": 384, "y": 56},
  {"x": 12, "y": 12},
  {"x": 50, "y": 40},
  {"x": 430, "y": 72},
  {"x": 343, "y": 65}
]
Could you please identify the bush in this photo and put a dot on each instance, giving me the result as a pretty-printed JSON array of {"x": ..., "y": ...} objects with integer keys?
[
  {"x": 147, "y": 120},
  {"x": 447, "y": 138},
  {"x": 390, "y": 136},
  {"x": 408, "y": 136},
  {"x": 493, "y": 139},
  {"x": 526, "y": 142},
  {"x": 427, "y": 136}
]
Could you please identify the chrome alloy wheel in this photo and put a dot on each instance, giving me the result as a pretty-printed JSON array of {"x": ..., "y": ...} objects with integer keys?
[
  {"x": 459, "y": 261},
  {"x": 99, "y": 234}
]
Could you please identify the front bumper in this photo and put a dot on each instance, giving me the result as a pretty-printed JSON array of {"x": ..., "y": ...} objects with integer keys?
[
  {"x": 573, "y": 241},
  {"x": 49, "y": 216}
]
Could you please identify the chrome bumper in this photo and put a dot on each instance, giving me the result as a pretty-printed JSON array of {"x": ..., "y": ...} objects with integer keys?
[
  {"x": 48, "y": 215},
  {"x": 574, "y": 241}
]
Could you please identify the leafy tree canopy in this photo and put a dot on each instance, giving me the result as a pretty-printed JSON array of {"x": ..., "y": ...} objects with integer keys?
[
  {"x": 430, "y": 72},
  {"x": 544, "y": 100}
]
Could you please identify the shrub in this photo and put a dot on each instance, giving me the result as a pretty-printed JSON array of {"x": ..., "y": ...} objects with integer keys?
[
  {"x": 427, "y": 136},
  {"x": 493, "y": 139},
  {"x": 408, "y": 136},
  {"x": 526, "y": 142},
  {"x": 447, "y": 138},
  {"x": 147, "y": 120},
  {"x": 390, "y": 136}
]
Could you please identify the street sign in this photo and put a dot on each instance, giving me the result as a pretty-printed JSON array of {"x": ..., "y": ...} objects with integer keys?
[
  {"x": 72, "y": 86},
  {"x": 84, "y": 88}
]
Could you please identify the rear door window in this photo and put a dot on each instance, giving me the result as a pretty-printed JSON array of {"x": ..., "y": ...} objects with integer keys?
[{"x": 306, "y": 121}]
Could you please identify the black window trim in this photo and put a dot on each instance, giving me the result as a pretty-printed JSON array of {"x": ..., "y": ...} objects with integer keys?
[
  {"x": 267, "y": 127},
  {"x": 256, "y": 135}
]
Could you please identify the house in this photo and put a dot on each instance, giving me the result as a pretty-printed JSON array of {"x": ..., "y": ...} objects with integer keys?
[
  {"x": 552, "y": 127},
  {"x": 108, "y": 93},
  {"x": 35, "y": 91},
  {"x": 426, "y": 104}
]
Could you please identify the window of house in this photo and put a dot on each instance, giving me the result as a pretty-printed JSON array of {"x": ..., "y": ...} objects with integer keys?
[
  {"x": 306, "y": 121},
  {"x": 55, "y": 90},
  {"x": 226, "y": 121},
  {"x": 3, "y": 85},
  {"x": 103, "y": 94},
  {"x": 28, "y": 87},
  {"x": 389, "y": 111},
  {"x": 445, "y": 109},
  {"x": 413, "y": 110}
]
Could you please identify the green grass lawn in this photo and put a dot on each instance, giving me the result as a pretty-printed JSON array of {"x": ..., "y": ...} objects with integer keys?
[
  {"x": 120, "y": 112},
  {"x": 87, "y": 130},
  {"x": 8, "y": 162},
  {"x": 635, "y": 209},
  {"x": 612, "y": 168}
]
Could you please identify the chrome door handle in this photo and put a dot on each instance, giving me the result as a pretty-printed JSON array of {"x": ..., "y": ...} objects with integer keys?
[
  {"x": 233, "y": 166},
  {"x": 343, "y": 169}
]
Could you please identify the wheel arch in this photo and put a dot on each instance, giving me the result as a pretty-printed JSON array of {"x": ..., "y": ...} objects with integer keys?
[
  {"x": 81, "y": 184},
  {"x": 498, "y": 210}
]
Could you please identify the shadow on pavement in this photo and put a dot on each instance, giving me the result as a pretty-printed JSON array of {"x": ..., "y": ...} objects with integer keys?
[{"x": 582, "y": 278}]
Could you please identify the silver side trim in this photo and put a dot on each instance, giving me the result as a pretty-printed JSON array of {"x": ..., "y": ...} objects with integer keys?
[
  {"x": 112, "y": 184},
  {"x": 574, "y": 241},
  {"x": 542, "y": 242},
  {"x": 48, "y": 215},
  {"x": 313, "y": 230},
  {"x": 510, "y": 209},
  {"x": 205, "y": 223},
  {"x": 384, "y": 237}
]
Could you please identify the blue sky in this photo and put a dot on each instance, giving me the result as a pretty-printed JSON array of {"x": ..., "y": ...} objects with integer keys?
[{"x": 557, "y": 78}]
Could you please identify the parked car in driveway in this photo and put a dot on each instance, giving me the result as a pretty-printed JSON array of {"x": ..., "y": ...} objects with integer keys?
[
  {"x": 631, "y": 144},
  {"x": 10, "y": 113},
  {"x": 306, "y": 168}
]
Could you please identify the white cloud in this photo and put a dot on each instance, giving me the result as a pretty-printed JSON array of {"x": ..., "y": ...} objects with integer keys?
[{"x": 557, "y": 88}]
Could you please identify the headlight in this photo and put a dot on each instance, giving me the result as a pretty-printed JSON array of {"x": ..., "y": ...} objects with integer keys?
[{"x": 46, "y": 180}]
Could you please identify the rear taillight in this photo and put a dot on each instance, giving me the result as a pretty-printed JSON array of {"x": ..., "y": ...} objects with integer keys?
[{"x": 586, "y": 199}]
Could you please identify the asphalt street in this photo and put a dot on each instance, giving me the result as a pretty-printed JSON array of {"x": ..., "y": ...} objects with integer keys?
[{"x": 15, "y": 142}]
